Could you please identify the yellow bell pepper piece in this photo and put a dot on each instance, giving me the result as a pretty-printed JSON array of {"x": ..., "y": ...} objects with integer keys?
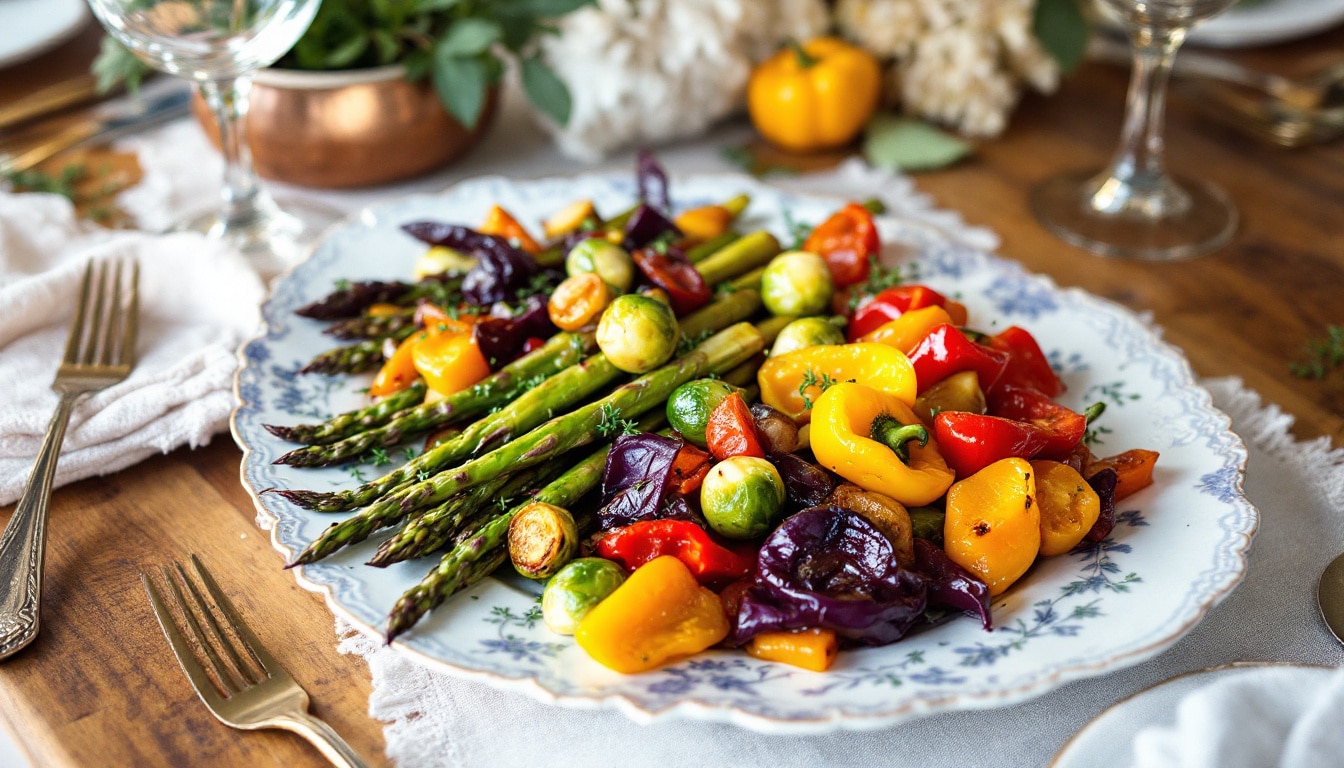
[
  {"x": 450, "y": 362},
  {"x": 813, "y": 649},
  {"x": 792, "y": 382},
  {"x": 659, "y": 614},
  {"x": 851, "y": 425},
  {"x": 569, "y": 218},
  {"x": 709, "y": 221},
  {"x": 906, "y": 331},
  {"x": 993, "y": 526},
  {"x": 815, "y": 96}
]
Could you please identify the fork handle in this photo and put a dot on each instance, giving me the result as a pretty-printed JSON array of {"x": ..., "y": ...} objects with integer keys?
[
  {"x": 322, "y": 736},
  {"x": 24, "y": 542}
]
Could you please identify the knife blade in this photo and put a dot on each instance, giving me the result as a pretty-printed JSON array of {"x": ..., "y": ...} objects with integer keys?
[{"x": 156, "y": 104}]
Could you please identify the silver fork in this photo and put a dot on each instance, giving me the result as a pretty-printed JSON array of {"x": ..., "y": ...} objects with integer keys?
[
  {"x": 99, "y": 352},
  {"x": 250, "y": 690}
]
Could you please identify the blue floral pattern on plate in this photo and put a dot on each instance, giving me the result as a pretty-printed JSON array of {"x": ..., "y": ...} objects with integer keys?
[{"x": 1111, "y": 605}]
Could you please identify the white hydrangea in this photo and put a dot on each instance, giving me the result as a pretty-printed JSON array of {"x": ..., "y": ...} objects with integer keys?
[
  {"x": 959, "y": 62},
  {"x": 649, "y": 71}
]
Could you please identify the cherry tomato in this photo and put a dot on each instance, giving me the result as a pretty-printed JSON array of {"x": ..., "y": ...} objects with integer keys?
[
  {"x": 846, "y": 241},
  {"x": 685, "y": 287}
]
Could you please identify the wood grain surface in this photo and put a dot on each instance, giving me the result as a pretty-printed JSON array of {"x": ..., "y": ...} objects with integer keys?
[{"x": 99, "y": 686}]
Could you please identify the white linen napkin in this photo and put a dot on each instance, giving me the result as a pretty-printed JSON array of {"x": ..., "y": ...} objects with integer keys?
[
  {"x": 198, "y": 302},
  {"x": 1275, "y": 716}
]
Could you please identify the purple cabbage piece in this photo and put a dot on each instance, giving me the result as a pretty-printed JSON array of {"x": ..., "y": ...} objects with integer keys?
[
  {"x": 647, "y": 224},
  {"x": 1103, "y": 483},
  {"x": 652, "y": 180},
  {"x": 501, "y": 270},
  {"x": 829, "y": 567},
  {"x": 807, "y": 484},
  {"x": 951, "y": 585},
  {"x": 634, "y": 481},
  {"x": 501, "y": 339}
]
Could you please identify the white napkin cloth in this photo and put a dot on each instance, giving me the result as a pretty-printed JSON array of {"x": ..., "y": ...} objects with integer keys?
[
  {"x": 1275, "y": 716},
  {"x": 198, "y": 302}
]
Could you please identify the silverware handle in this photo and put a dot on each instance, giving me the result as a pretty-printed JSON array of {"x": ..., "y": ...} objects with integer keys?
[
  {"x": 24, "y": 542},
  {"x": 327, "y": 740}
]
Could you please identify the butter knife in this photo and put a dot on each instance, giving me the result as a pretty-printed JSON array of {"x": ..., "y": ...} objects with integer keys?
[{"x": 156, "y": 104}]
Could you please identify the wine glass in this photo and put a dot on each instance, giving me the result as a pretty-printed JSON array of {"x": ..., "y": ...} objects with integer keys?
[
  {"x": 218, "y": 44},
  {"x": 1133, "y": 208}
]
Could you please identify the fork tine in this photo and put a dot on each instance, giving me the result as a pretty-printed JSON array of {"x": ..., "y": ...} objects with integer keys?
[
  {"x": 77, "y": 326},
  {"x": 89, "y": 347},
  {"x": 247, "y": 673},
  {"x": 181, "y": 648},
  {"x": 227, "y": 679},
  {"x": 107, "y": 344},
  {"x": 131, "y": 323},
  {"x": 254, "y": 647}
]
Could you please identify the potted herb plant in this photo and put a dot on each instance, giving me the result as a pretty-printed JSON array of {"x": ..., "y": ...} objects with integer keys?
[{"x": 380, "y": 90}]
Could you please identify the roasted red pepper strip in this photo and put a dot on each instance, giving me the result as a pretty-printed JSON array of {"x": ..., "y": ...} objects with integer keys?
[
  {"x": 688, "y": 470},
  {"x": 683, "y": 283},
  {"x": 710, "y": 562},
  {"x": 946, "y": 350},
  {"x": 1062, "y": 429},
  {"x": 891, "y": 304},
  {"x": 731, "y": 430},
  {"x": 846, "y": 241},
  {"x": 1028, "y": 366},
  {"x": 970, "y": 442}
]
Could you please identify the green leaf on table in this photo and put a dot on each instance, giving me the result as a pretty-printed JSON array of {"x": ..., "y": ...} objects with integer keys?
[
  {"x": 1062, "y": 30},
  {"x": 461, "y": 85},
  {"x": 468, "y": 37},
  {"x": 905, "y": 144},
  {"x": 546, "y": 90}
]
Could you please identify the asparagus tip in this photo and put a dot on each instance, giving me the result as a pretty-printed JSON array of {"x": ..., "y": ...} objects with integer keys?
[{"x": 284, "y": 433}]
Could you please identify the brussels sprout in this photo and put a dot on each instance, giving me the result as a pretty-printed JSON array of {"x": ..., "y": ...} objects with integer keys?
[
  {"x": 797, "y": 283},
  {"x": 806, "y": 332},
  {"x": 542, "y": 538},
  {"x": 689, "y": 406},
  {"x": 440, "y": 259},
  {"x": 637, "y": 333},
  {"x": 608, "y": 260},
  {"x": 575, "y": 589},
  {"x": 742, "y": 497}
]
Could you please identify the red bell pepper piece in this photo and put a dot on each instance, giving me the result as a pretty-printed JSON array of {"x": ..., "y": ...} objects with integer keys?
[
  {"x": 969, "y": 442},
  {"x": 1062, "y": 429},
  {"x": 846, "y": 241},
  {"x": 946, "y": 350},
  {"x": 891, "y": 304},
  {"x": 682, "y": 281},
  {"x": 1028, "y": 366},
  {"x": 710, "y": 562},
  {"x": 731, "y": 430},
  {"x": 688, "y": 470}
]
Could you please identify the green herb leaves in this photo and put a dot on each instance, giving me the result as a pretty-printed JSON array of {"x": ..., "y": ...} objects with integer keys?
[{"x": 1322, "y": 355}]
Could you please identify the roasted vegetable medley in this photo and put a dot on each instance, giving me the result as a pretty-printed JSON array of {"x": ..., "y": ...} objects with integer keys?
[{"x": 697, "y": 439}]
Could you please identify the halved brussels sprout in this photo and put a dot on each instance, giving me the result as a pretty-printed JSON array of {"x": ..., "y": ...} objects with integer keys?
[
  {"x": 797, "y": 283},
  {"x": 806, "y": 332},
  {"x": 742, "y": 497},
  {"x": 575, "y": 589}
]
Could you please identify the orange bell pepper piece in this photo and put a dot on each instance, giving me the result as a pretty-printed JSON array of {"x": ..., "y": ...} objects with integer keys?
[
  {"x": 993, "y": 526},
  {"x": 659, "y": 614},
  {"x": 398, "y": 371},
  {"x": 905, "y": 332},
  {"x": 450, "y": 362},
  {"x": 1069, "y": 507},
  {"x": 813, "y": 649},
  {"x": 792, "y": 382},
  {"x": 1135, "y": 468},
  {"x": 500, "y": 223},
  {"x": 578, "y": 301},
  {"x": 569, "y": 218},
  {"x": 382, "y": 310}
]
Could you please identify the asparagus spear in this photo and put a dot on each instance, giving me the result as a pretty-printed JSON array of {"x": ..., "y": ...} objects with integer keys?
[
  {"x": 351, "y": 299},
  {"x": 743, "y": 255},
  {"x": 372, "y": 326},
  {"x": 365, "y": 356},
  {"x": 352, "y": 422},
  {"x": 556, "y": 356},
  {"x": 478, "y": 556},
  {"x": 558, "y": 392},
  {"x": 718, "y": 354}
]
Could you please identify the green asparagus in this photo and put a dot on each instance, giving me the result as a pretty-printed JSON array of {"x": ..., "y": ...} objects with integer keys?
[
  {"x": 718, "y": 354},
  {"x": 352, "y": 422},
  {"x": 372, "y": 326},
  {"x": 363, "y": 357}
]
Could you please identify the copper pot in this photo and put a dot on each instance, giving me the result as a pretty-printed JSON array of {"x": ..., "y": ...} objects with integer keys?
[{"x": 356, "y": 128}]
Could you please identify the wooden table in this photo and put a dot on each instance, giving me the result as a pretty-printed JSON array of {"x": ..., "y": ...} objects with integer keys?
[{"x": 100, "y": 688}]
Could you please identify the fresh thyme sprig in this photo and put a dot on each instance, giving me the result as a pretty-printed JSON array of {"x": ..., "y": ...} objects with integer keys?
[{"x": 1323, "y": 355}]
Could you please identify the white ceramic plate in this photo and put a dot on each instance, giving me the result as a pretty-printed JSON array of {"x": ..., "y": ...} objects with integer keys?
[
  {"x": 1179, "y": 546},
  {"x": 1107, "y": 741},
  {"x": 1262, "y": 22},
  {"x": 32, "y": 27}
]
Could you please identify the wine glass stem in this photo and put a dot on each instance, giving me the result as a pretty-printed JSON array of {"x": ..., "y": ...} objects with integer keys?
[
  {"x": 228, "y": 100},
  {"x": 1136, "y": 180}
]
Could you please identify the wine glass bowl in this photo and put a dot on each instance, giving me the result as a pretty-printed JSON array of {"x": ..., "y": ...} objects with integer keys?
[
  {"x": 1133, "y": 207},
  {"x": 218, "y": 44}
]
